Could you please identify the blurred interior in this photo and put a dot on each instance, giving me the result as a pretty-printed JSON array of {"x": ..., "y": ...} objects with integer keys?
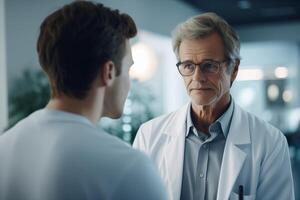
[{"x": 268, "y": 82}]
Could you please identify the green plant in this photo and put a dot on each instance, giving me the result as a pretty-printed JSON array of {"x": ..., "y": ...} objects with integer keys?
[
  {"x": 139, "y": 108},
  {"x": 31, "y": 92}
]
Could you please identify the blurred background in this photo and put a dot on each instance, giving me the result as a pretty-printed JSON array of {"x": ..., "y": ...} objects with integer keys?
[{"x": 268, "y": 83}]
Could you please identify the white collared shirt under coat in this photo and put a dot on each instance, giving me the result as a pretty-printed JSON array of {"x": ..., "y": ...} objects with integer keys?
[{"x": 256, "y": 155}]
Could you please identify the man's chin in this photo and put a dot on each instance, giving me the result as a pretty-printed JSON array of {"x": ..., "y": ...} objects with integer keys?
[{"x": 202, "y": 101}]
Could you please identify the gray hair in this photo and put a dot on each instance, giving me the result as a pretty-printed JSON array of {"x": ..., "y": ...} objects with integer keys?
[{"x": 203, "y": 25}]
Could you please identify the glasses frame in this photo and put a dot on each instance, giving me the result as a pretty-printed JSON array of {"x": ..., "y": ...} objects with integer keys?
[{"x": 219, "y": 63}]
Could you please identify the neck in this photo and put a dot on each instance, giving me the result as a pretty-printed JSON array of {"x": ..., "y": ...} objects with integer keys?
[
  {"x": 87, "y": 107},
  {"x": 204, "y": 115}
]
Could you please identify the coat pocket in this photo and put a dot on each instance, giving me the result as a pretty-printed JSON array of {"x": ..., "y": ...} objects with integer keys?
[{"x": 235, "y": 196}]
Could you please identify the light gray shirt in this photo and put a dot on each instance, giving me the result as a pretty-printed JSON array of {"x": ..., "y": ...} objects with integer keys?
[
  {"x": 203, "y": 157},
  {"x": 55, "y": 155}
]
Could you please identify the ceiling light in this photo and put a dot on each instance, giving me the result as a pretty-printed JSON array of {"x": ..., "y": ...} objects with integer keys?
[
  {"x": 145, "y": 62},
  {"x": 287, "y": 96},
  {"x": 281, "y": 72},
  {"x": 273, "y": 92},
  {"x": 250, "y": 74},
  {"x": 244, "y": 4}
]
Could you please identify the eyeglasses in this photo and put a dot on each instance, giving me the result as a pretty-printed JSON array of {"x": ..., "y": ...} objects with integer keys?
[{"x": 187, "y": 68}]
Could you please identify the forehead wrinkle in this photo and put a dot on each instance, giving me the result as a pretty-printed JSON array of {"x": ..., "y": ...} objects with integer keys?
[
  {"x": 210, "y": 47},
  {"x": 197, "y": 55}
]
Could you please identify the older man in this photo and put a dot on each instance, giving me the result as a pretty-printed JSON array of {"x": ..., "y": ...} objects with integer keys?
[{"x": 211, "y": 148}]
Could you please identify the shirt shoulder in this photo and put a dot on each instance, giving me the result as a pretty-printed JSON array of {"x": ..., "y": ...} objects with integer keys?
[
  {"x": 263, "y": 129},
  {"x": 140, "y": 181},
  {"x": 156, "y": 125},
  {"x": 265, "y": 137}
]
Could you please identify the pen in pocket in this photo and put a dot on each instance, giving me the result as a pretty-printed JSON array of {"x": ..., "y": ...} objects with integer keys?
[{"x": 241, "y": 192}]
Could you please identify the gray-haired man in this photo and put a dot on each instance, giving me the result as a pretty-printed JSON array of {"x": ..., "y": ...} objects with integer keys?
[{"x": 211, "y": 148}]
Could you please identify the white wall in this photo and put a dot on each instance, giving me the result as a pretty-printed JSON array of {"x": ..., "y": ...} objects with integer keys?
[
  {"x": 288, "y": 31},
  {"x": 24, "y": 17},
  {"x": 166, "y": 84},
  {"x": 159, "y": 16},
  {"x": 3, "y": 84}
]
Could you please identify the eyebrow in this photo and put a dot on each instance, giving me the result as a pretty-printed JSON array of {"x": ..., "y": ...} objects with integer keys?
[
  {"x": 186, "y": 61},
  {"x": 201, "y": 62}
]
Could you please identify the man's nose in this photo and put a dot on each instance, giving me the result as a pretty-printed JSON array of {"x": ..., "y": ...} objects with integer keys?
[{"x": 198, "y": 74}]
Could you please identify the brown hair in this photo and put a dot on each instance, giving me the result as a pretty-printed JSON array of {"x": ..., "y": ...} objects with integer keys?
[{"x": 76, "y": 40}]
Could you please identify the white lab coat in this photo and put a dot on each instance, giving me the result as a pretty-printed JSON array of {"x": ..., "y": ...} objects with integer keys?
[{"x": 256, "y": 155}]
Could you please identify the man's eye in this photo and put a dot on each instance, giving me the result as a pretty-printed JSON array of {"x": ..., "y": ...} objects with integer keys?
[
  {"x": 207, "y": 65},
  {"x": 188, "y": 66}
]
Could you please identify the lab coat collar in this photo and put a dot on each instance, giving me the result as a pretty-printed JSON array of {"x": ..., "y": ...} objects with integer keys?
[
  {"x": 173, "y": 155},
  {"x": 177, "y": 122},
  {"x": 233, "y": 157},
  {"x": 238, "y": 135},
  {"x": 234, "y": 153}
]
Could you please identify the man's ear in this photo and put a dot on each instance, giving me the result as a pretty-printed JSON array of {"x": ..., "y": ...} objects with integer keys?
[
  {"x": 107, "y": 73},
  {"x": 234, "y": 71}
]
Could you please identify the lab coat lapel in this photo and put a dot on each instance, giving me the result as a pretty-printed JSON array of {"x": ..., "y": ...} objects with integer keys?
[
  {"x": 233, "y": 156},
  {"x": 174, "y": 153}
]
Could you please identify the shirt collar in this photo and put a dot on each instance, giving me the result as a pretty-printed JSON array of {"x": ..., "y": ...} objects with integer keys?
[
  {"x": 224, "y": 120},
  {"x": 189, "y": 122},
  {"x": 55, "y": 114}
]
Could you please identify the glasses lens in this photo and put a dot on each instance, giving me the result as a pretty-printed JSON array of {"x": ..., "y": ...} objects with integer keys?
[
  {"x": 210, "y": 67},
  {"x": 187, "y": 68}
]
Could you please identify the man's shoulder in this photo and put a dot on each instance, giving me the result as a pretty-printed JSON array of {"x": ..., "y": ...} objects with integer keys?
[
  {"x": 72, "y": 140},
  {"x": 24, "y": 125},
  {"x": 165, "y": 119},
  {"x": 96, "y": 144},
  {"x": 98, "y": 154},
  {"x": 157, "y": 131},
  {"x": 140, "y": 180},
  {"x": 105, "y": 161},
  {"x": 260, "y": 129}
]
